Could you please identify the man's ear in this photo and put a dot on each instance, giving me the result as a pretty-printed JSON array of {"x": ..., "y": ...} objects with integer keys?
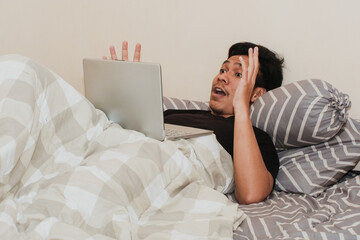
[{"x": 257, "y": 92}]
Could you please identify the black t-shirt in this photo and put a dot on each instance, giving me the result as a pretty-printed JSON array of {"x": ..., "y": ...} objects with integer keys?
[{"x": 224, "y": 130}]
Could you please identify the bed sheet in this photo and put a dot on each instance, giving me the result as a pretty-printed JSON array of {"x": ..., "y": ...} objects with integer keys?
[{"x": 333, "y": 215}]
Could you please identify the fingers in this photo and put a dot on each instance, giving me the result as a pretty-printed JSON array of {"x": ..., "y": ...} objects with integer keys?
[
  {"x": 256, "y": 61},
  {"x": 137, "y": 53},
  {"x": 244, "y": 68},
  {"x": 125, "y": 53},
  {"x": 251, "y": 59},
  {"x": 253, "y": 64},
  {"x": 113, "y": 55}
]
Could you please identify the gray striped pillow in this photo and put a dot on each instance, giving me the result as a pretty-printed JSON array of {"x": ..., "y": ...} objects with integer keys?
[
  {"x": 184, "y": 104},
  {"x": 301, "y": 113},
  {"x": 313, "y": 168}
]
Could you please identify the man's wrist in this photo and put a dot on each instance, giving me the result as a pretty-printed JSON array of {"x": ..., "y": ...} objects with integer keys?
[
  {"x": 242, "y": 116},
  {"x": 242, "y": 111}
]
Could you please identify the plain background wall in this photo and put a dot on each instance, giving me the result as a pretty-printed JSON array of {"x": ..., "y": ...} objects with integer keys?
[{"x": 190, "y": 38}]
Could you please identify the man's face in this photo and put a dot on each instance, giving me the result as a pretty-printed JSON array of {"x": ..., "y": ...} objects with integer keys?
[{"x": 224, "y": 86}]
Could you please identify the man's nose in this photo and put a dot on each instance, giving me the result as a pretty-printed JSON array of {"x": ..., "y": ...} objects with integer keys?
[{"x": 224, "y": 78}]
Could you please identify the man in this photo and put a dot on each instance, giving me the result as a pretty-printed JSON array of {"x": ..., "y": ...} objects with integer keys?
[{"x": 237, "y": 85}]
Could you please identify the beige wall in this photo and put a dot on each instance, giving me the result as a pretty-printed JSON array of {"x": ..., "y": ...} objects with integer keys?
[{"x": 190, "y": 38}]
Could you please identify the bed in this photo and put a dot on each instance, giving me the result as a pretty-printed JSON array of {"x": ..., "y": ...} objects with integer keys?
[
  {"x": 317, "y": 190},
  {"x": 67, "y": 172}
]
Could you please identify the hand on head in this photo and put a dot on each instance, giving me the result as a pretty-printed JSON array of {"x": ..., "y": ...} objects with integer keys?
[
  {"x": 124, "y": 53},
  {"x": 244, "y": 92}
]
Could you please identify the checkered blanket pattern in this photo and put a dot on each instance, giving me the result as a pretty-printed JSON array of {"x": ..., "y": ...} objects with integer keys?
[{"x": 66, "y": 172}]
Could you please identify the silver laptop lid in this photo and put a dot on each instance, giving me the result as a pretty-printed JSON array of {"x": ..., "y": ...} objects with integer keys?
[{"x": 129, "y": 93}]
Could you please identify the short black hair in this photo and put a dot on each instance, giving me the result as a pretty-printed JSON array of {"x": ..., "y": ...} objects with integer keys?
[{"x": 270, "y": 74}]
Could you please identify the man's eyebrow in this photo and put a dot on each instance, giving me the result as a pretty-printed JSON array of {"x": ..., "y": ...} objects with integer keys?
[{"x": 227, "y": 61}]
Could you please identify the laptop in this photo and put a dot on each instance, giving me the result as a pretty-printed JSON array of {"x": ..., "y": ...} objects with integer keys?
[{"x": 130, "y": 94}]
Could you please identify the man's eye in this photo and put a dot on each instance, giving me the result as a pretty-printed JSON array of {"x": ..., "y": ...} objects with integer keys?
[
  {"x": 222, "y": 71},
  {"x": 238, "y": 74}
]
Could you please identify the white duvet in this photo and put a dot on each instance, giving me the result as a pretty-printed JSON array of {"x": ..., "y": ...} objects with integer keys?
[{"x": 66, "y": 172}]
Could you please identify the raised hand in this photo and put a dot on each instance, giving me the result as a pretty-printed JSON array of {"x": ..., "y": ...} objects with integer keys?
[
  {"x": 124, "y": 52},
  {"x": 253, "y": 182},
  {"x": 246, "y": 85}
]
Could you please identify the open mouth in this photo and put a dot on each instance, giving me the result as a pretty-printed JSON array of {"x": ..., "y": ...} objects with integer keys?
[{"x": 219, "y": 91}]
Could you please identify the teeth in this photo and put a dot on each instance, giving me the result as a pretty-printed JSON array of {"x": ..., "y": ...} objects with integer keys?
[{"x": 219, "y": 90}]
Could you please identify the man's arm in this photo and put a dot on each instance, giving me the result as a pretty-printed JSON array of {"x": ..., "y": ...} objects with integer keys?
[{"x": 253, "y": 182}]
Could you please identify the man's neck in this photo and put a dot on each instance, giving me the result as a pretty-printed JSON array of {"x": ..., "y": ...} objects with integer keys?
[{"x": 221, "y": 115}]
